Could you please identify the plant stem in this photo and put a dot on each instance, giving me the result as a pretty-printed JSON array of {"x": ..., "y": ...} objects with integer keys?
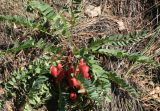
[{"x": 59, "y": 102}]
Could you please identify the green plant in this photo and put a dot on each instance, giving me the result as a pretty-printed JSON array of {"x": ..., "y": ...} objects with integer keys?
[
  {"x": 30, "y": 85},
  {"x": 88, "y": 79}
]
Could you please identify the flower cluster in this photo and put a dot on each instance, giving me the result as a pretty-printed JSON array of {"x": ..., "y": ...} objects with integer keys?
[{"x": 70, "y": 73}]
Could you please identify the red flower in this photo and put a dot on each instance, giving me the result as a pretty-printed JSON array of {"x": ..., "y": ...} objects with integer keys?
[
  {"x": 73, "y": 82},
  {"x": 59, "y": 66},
  {"x": 76, "y": 71},
  {"x": 73, "y": 96},
  {"x": 54, "y": 71},
  {"x": 82, "y": 62},
  {"x": 84, "y": 69}
]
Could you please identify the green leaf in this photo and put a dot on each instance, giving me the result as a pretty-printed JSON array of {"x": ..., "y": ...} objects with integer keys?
[
  {"x": 117, "y": 40},
  {"x": 45, "y": 9},
  {"x": 25, "y": 44},
  {"x": 131, "y": 56},
  {"x": 122, "y": 83},
  {"x": 27, "y": 107},
  {"x": 32, "y": 101},
  {"x": 11, "y": 83},
  {"x": 38, "y": 70}
]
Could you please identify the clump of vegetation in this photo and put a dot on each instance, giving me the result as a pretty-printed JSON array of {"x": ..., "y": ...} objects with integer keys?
[{"x": 73, "y": 77}]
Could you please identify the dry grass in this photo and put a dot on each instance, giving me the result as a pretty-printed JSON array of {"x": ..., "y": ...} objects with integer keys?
[{"x": 132, "y": 13}]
